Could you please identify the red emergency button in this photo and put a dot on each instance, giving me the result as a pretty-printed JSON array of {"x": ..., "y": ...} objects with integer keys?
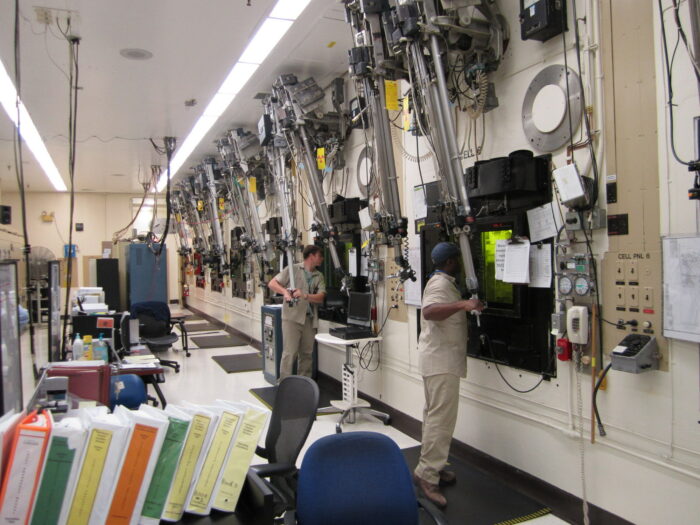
[{"x": 648, "y": 311}]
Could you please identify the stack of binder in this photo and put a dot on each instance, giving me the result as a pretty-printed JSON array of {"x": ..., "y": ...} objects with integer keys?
[{"x": 126, "y": 467}]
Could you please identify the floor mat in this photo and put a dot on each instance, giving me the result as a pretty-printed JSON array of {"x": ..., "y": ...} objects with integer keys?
[
  {"x": 202, "y": 327},
  {"x": 266, "y": 395},
  {"x": 479, "y": 499},
  {"x": 219, "y": 341},
  {"x": 239, "y": 362}
]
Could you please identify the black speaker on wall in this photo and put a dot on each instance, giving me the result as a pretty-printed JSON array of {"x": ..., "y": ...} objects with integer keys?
[{"x": 107, "y": 271}]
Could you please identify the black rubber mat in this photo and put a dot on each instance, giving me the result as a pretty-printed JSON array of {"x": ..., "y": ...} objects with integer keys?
[
  {"x": 219, "y": 341},
  {"x": 239, "y": 362},
  {"x": 202, "y": 327},
  {"x": 266, "y": 395},
  {"x": 479, "y": 499}
]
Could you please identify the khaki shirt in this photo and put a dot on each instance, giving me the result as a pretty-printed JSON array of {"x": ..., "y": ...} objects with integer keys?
[
  {"x": 442, "y": 345},
  {"x": 298, "y": 312}
]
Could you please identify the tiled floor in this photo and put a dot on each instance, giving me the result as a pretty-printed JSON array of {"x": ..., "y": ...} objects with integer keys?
[{"x": 202, "y": 380}]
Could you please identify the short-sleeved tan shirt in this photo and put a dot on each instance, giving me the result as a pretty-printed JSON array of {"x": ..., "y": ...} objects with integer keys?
[
  {"x": 442, "y": 345},
  {"x": 316, "y": 284}
]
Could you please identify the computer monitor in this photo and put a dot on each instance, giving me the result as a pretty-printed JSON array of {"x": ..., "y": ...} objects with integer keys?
[{"x": 360, "y": 309}]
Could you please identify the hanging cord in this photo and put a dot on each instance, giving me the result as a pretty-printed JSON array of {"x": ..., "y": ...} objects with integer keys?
[
  {"x": 19, "y": 170},
  {"x": 582, "y": 442},
  {"x": 170, "y": 143},
  {"x": 669, "y": 87},
  {"x": 601, "y": 428},
  {"x": 74, "y": 42}
]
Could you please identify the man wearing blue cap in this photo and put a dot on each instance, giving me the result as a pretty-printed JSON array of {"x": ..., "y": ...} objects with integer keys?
[{"x": 442, "y": 360}]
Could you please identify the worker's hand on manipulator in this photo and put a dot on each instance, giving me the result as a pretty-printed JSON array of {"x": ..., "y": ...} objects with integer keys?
[
  {"x": 287, "y": 296},
  {"x": 297, "y": 293},
  {"x": 473, "y": 305}
]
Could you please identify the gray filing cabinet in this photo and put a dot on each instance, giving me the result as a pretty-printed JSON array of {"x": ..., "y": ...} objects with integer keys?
[{"x": 271, "y": 316}]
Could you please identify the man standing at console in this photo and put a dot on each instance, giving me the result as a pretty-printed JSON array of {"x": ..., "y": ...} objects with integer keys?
[
  {"x": 300, "y": 319},
  {"x": 442, "y": 360}
]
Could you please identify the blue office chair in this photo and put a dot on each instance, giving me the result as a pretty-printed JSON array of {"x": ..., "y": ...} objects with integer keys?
[
  {"x": 358, "y": 478},
  {"x": 128, "y": 390}
]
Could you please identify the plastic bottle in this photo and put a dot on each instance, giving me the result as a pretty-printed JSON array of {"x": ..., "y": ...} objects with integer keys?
[
  {"x": 78, "y": 348},
  {"x": 100, "y": 350},
  {"x": 87, "y": 348}
]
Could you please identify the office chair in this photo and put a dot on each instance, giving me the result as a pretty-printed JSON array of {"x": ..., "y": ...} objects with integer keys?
[
  {"x": 128, "y": 390},
  {"x": 156, "y": 329},
  {"x": 293, "y": 413},
  {"x": 358, "y": 477}
]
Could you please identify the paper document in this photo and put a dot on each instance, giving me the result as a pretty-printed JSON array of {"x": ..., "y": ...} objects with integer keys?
[
  {"x": 420, "y": 206},
  {"x": 500, "y": 257},
  {"x": 544, "y": 222},
  {"x": 541, "y": 266},
  {"x": 517, "y": 264}
]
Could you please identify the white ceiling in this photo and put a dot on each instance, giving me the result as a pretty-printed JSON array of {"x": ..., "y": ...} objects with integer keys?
[{"x": 124, "y": 102}]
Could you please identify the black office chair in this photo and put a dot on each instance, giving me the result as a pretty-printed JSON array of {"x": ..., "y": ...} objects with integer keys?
[
  {"x": 156, "y": 329},
  {"x": 293, "y": 413},
  {"x": 358, "y": 477}
]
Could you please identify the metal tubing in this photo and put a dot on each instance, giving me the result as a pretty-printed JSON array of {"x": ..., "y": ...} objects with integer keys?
[
  {"x": 448, "y": 122},
  {"x": 214, "y": 214},
  {"x": 283, "y": 196},
  {"x": 385, "y": 151}
]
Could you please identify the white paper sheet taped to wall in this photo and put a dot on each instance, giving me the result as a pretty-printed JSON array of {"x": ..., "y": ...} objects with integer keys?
[
  {"x": 517, "y": 264},
  {"x": 681, "y": 263},
  {"x": 544, "y": 222},
  {"x": 540, "y": 266}
]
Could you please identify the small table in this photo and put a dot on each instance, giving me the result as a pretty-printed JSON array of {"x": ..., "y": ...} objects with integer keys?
[{"x": 350, "y": 404}]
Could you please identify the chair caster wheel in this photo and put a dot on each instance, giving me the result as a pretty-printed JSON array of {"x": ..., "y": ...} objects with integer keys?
[
  {"x": 387, "y": 422},
  {"x": 338, "y": 429}
]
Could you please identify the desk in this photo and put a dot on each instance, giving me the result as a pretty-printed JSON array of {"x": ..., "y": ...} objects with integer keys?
[
  {"x": 350, "y": 404},
  {"x": 151, "y": 375}
]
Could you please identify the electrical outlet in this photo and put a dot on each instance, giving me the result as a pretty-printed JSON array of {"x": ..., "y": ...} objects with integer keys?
[
  {"x": 43, "y": 15},
  {"x": 620, "y": 296},
  {"x": 632, "y": 271},
  {"x": 619, "y": 271}
]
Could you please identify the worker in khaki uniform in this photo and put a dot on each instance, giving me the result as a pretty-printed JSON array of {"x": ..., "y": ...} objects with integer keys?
[
  {"x": 300, "y": 320},
  {"x": 442, "y": 359}
]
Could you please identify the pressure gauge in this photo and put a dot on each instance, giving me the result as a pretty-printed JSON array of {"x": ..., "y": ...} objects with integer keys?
[
  {"x": 565, "y": 285},
  {"x": 581, "y": 286}
]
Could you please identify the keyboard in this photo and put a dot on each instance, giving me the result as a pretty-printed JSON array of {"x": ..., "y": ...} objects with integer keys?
[{"x": 351, "y": 332}]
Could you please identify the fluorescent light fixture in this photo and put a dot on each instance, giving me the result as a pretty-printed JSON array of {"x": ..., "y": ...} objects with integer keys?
[
  {"x": 289, "y": 9},
  {"x": 237, "y": 78},
  {"x": 259, "y": 47},
  {"x": 8, "y": 98},
  {"x": 218, "y": 104},
  {"x": 265, "y": 40}
]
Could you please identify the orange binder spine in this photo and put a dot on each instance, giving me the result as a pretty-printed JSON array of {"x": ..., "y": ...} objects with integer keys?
[{"x": 36, "y": 427}]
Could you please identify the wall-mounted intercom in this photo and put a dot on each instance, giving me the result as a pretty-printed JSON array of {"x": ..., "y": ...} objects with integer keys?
[{"x": 577, "y": 325}]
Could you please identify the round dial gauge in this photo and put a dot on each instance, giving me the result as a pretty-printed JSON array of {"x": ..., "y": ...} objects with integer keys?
[
  {"x": 581, "y": 286},
  {"x": 565, "y": 285}
]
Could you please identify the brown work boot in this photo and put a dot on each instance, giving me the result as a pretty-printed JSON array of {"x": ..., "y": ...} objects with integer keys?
[
  {"x": 447, "y": 477},
  {"x": 430, "y": 491}
]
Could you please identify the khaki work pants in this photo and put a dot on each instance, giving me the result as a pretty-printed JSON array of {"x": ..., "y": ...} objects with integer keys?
[
  {"x": 439, "y": 420},
  {"x": 298, "y": 341}
]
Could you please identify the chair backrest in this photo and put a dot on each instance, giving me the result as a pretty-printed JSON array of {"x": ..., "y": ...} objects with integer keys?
[
  {"x": 154, "y": 317},
  {"x": 128, "y": 390},
  {"x": 292, "y": 415},
  {"x": 355, "y": 477}
]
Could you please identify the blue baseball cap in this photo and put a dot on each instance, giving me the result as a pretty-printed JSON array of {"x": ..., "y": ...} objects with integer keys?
[{"x": 444, "y": 251}]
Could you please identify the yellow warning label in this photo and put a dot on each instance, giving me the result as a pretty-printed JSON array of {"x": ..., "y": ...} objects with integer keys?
[
  {"x": 321, "y": 158},
  {"x": 391, "y": 93}
]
